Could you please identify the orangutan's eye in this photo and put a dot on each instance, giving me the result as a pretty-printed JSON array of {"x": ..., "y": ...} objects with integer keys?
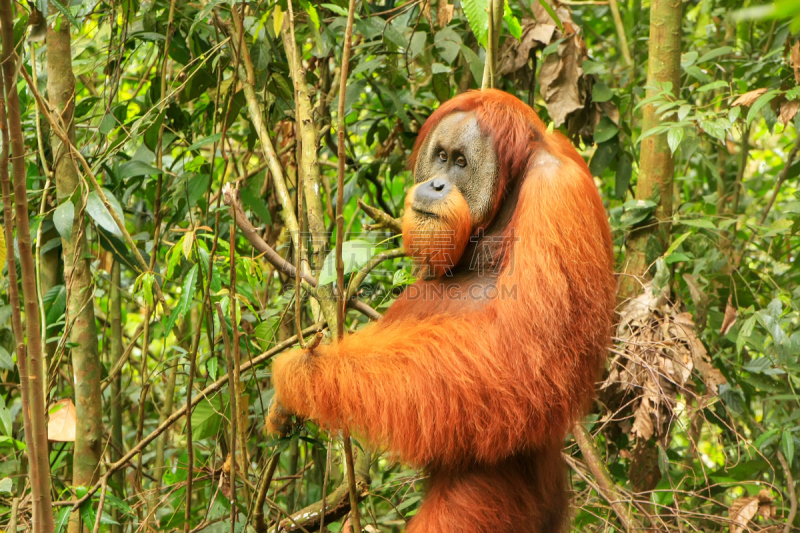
[
  {"x": 461, "y": 161},
  {"x": 443, "y": 155}
]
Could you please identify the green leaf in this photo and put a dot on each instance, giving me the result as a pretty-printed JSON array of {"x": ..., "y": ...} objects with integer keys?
[
  {"x": 721, "y": 51},
  {"x": 514, "y": 27},
  {"x": 711, "y": 86},
  {"x": 674, "y": 138},
  {"x": 478, "y": 18},
  {"x": 714, "y": 128},
  {"x": 787, "y": 445},
  {"x": 636, "y": 212},
  {"x": 605, "y": 130},
  {"x": 475, "y": 63},
  {"x": 212, "y": 365},
  {"x": 698, "y": 223},
  {"x": 65, "y": 11},
  {"x": 97, "y": 210},
  {"x": 257, "y": 206},
  {"x": 133, "y": 168},
  {"x": 205, "y": 418},
  {"x": 339, "y": 10},
  {"x": 63, "y": 217},
  {"x": 5, "y": 420},
  {"x": 355, "y": 254},
  {"x": 6, "y": 361},
  {"x": 185, "y": 301},
  {"x": 55, "y": 303},
  {"x": 763, "y": 100},
  {"x": 205, "y": 141},
  {"x": 677, "y": 242},
  {"x": 63, "y": 519},
  {"x": 623, "y": 176},
  {"x": 309, "y": 8},
  {"x": 601, "y": 93},
  {"x": 758, "y": 366}
]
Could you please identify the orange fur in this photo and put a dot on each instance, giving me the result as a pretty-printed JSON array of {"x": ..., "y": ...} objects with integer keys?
[
  {"x": 481, "y": 391},
  {"x": 437, "y": 244}
]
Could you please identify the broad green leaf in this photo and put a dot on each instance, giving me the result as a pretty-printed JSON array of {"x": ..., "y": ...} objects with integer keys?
[
  {"x": 601, "y": 92},
  {"x": 205, "y": 418},
  {"x": 475, "y": 63},
  {"x": 762, "y": 100},
  {"x": 97, "y": 210},
  {"x": 184, "y": 303},
  {"x": 787, "y": 446},
  {"x": 205, "y": 141},
  {"x": 711, "y": 86},
  {"x": 514, "y": 27},
  {"x": 674, "y": 138},
  {"x": 605, "y": 130},
  {"x": 698, "y": 223},
  {"x": 133, "y": 168},
  {"x": 721, "y": 51},
  {"x": 478, "y": 18},
  {"x": 63, "y": 217},
  {"x": 212, "y": 366},
  {"x": 677, "y": 242}
]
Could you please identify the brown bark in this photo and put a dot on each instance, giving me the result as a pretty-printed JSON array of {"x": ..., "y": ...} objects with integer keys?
[
  {"x": 77, "y": 275},
  {"x": 36, "y": 417}
]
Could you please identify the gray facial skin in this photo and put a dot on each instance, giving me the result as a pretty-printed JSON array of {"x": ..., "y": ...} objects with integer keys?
[{"x": 458, "y": 152}]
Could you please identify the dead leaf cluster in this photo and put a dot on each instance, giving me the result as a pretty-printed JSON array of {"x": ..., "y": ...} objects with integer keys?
[
  {"x": 565, "y": 87},
  {"x": 743, "y": 510},
  {"x": 658, "y": 353}
]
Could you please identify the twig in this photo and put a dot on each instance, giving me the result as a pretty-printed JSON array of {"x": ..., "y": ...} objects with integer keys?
[
  {"x": 358, "y": 278},
  {"x": 234, "y": 412},
  {"x": 623, "y": 40},
  {"x": 787, "y": 472},
  {"x": 383, "y": 220},
  {"x": 261, "y": 496},
  {"x": 606, "y": 486},
  {"x": 778, "y": 184},
  {"x": 340, "y": 133}
]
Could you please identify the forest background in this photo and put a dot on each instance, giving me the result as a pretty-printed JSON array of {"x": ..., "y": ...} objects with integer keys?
[{"x": 167, "y": 165}]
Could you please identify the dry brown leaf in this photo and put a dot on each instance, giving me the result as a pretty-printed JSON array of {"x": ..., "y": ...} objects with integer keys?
[
  {"x": 61, "y": 426},
  {"x": 796, "y": 61},
  {"x": 643, "y": 427},
  {"x": 741, "y": 512},
  {"x": 560, "y": 76},
  {"x": 444, "y": 13},
  {"x": 789, "y": 109},
  {"x": 748, "y": 98},
  {"x": 731, "y": 314},
  {"x": 426, "y": 12},
  {"x": 745, "y": 509}
]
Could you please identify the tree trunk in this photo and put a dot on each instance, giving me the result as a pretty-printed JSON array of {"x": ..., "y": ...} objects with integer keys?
[
  {"x": 115, "y": 352},
  {"x": 77, "y": 276},
  {"x": 656, "y": 164},
  {"x": 31, "y": 363}
]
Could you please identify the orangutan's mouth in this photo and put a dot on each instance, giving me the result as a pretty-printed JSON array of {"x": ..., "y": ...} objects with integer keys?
[{"x": 425, "y": 213}]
